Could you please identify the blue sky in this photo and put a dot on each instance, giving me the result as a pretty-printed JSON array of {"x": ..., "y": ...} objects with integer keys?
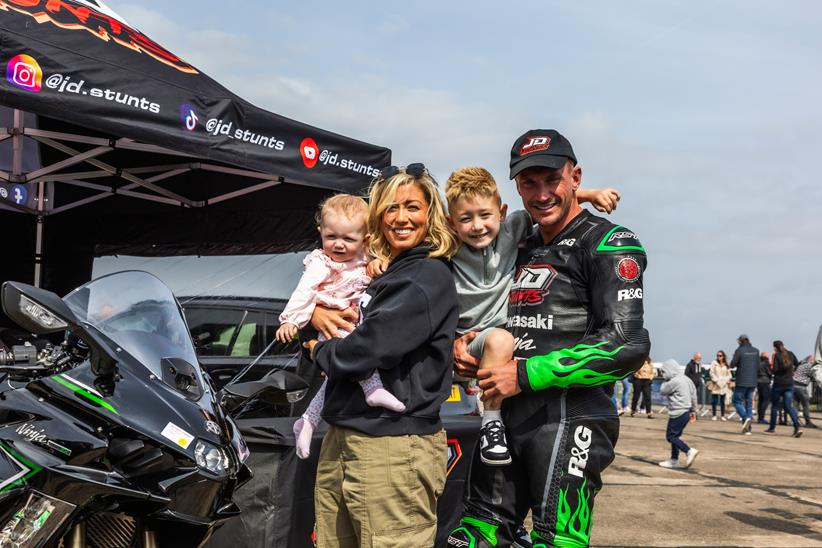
[{"x": 706, "y": 115}]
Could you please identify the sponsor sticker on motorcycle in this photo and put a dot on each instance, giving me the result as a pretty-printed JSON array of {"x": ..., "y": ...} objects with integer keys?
[{"x": 177, "y": 435}]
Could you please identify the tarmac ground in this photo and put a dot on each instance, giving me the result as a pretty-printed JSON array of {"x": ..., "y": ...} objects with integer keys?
[{"x": 762, "y": 490}]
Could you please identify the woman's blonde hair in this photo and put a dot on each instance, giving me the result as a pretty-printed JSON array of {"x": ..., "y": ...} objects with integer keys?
[{"x": 383, "y": 193}]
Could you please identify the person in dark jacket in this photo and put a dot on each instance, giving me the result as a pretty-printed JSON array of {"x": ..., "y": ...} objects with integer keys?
[
  {"x": 380, "y": 472},
  {"x": 693, "y": 370},
  {"x": 763, "y": 387},
  {"x": 784, "y": 364},
  {"x": 746, "y": 362}
]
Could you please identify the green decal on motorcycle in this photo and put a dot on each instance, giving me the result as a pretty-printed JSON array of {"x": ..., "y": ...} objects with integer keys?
[
  {"x": 549, "y": 370},
  {"x": 573, "y": 526},
  {"x": 86, "y": 394},
  {"x": 27, "y": 469}
]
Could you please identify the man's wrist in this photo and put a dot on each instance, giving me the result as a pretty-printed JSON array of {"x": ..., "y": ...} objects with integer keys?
[{"x": 522, "y": 376}]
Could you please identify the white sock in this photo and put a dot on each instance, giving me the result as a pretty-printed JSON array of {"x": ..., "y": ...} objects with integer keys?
[{"x": 488, "y": 416}]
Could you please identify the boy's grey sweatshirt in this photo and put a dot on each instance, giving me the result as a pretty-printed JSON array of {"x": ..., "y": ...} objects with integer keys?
[
  {"x": 483, "y": 276},
  {"x": 679, "y": 389}
]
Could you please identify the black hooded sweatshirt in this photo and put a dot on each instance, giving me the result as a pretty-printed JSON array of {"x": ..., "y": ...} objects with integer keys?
[{"x": 408, "y": 318}]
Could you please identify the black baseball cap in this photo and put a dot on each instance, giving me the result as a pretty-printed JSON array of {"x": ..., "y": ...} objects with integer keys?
[{"x": 540, "y": 148}]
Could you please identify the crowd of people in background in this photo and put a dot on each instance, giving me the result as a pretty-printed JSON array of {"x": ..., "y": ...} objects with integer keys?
[{"x": 768, "y": 388}]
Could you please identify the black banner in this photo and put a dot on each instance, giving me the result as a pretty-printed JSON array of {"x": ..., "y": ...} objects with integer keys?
[{"x": 70, "y": 62}]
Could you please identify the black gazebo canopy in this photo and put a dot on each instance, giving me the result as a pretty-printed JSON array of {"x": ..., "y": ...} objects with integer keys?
[{"x": 114, "y": 145}]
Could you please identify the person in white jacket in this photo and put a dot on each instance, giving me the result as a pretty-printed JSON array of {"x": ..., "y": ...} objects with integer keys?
[{"x": 682, "y": 402}]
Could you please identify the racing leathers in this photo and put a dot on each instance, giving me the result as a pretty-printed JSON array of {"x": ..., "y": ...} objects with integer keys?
[{"x": 575, "y": 310}]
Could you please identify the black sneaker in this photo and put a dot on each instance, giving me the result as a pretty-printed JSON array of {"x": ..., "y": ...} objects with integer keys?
[{"x": 493, "y": 447}]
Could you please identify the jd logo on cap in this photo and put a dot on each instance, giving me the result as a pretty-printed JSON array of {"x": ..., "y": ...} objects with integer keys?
[{"x": 535, "y": 144}]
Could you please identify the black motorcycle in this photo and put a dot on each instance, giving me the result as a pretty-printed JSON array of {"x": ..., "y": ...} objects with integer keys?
[{"x": 115, "y": 437}]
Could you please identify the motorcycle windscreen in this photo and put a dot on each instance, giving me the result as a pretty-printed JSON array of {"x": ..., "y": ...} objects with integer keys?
[{"x": 139, "y": 313}]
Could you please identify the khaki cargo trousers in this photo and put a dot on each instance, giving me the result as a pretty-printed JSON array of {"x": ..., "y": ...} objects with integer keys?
[{"x": 378, "y": 491}]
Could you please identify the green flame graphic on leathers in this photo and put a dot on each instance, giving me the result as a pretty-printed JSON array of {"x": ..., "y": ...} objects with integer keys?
[
  {"x": 548, "y": 371},
  {"x": 573, "y": 527}
]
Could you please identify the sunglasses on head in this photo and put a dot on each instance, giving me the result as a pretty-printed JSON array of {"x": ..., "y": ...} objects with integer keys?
[{"x": 415, "y": 170}]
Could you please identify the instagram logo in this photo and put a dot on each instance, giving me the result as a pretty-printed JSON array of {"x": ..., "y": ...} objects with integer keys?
[{"x": 24, "y": 72}]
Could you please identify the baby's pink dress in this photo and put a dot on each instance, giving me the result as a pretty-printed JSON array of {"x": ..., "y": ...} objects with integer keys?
[{"x": 327, "y": 283}]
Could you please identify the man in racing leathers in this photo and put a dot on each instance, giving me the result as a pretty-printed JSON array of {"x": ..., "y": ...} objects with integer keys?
[{"x": 575, "y": 310}]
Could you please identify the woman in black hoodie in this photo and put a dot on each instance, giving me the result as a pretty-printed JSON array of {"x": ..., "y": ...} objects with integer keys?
[
  {"x": 380, "y": 472},
  {"x": 784, "y": 363}
]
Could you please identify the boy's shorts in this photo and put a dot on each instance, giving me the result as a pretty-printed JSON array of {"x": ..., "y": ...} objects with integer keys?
[{"x": 477, "y": 346}]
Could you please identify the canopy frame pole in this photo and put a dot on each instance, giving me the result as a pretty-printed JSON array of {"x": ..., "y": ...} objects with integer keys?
[
  {"x": 18, "y": 177},
  {"x": 182, "y": 200},
  {"x": 38, "y": 247},
  {"x": 243, "y": 192},
  {"x": 107, "y": 192},
  {"x": 76, "y": 159},
  {"x": 122, "y": 142}
]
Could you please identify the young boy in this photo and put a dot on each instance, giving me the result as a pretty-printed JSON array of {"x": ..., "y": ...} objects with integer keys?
[
  {"x": 483, "y": 270},
  {"x": 682, "y": 403}
]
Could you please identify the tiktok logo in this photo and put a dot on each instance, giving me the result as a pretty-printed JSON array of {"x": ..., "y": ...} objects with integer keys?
[{"x": 189, "y": 117}]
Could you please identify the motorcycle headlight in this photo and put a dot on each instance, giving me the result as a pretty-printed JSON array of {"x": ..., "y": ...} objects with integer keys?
[{"x": 211, "y": 458}]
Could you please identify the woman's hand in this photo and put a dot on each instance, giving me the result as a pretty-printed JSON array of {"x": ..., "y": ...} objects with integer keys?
[
  {"x": 329, "y": 320},
  {"x": 286, "y": 332},
  {"x": 465, "y": 364}
]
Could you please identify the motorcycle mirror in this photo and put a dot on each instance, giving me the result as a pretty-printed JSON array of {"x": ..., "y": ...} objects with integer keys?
[
  {"x": 277, "y": 387},
  {"x": 35, "y": 309}
]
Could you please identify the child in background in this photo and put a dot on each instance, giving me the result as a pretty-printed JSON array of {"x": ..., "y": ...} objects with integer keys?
[
  {"x": 484, "y": 268},
  {"x": 682, "y": 403},
  {"x": 334, "y": 277}
]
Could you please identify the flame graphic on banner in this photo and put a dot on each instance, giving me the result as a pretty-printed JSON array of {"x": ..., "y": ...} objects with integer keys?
[{"x": 70, "y": 16}]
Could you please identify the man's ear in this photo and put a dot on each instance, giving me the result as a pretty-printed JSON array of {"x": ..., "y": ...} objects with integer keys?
[
  {"x": 450, "y": 223},
  {"x": 576, "y": 176},
  {"x": 503, "y": 211}
]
